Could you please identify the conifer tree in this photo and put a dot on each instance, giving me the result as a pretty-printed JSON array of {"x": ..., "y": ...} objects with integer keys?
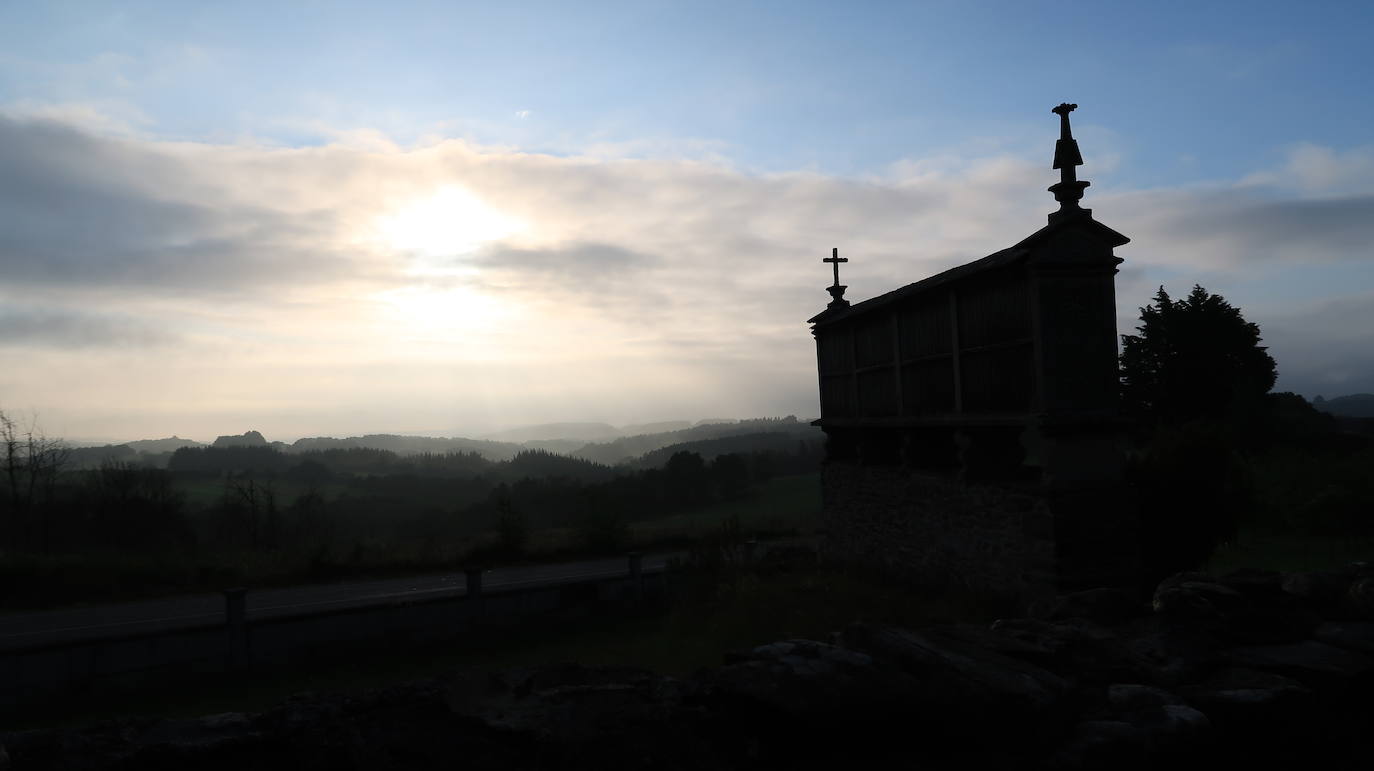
[{"x": 1195, "y": 358}]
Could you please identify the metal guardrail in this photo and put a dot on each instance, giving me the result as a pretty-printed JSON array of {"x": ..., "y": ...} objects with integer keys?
[{"x": 239, "y": 635}]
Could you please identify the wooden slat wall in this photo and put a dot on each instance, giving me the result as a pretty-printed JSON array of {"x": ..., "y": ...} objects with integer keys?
[{"x": 967, "y": 348}]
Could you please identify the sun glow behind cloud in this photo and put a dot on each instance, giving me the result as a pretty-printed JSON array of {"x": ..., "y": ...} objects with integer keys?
[
  {"x": 450, "y": 221},
  {"x": 446, "y": 313}
]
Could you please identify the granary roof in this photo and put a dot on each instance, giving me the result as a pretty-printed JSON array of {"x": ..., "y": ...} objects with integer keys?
[
  {"x": 1069, "y": 217},
  {"x": 1005, "y": 258}
]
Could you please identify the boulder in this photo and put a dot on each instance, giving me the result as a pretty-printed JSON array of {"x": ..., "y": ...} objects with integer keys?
[
  {"x": 1194, "y": 597},
  {"x": 1175, "y": 654},
  {"x": 786, "y": 703},
  {"x": 567, "y": 702},
  {"x": 1359, "y": 598},
  {"x": 1248, "y": 700},
  {"x": 1257, "y": 585},
  {"x": 1124, "y": 698},
  {"x": 1097, "y": 744},
  {"x": 1268, "y": 623},
  {"x": 1317, "y": 589},
  {"x": 1353, "y": 636},
  {"x": 965, "y": 692},
  {"x": 1172, "y": 729},
  {"x": 807, "y": 679},
  {"x": 1315, "y": 664},
  {"x": 1104, "y": 605},
  {"x": 1075, "y": 649}
]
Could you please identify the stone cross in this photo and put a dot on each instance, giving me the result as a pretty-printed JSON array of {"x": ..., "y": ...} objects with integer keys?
[
  {"x": 835, "y": 259},
  {"x": 836, "y": 290}
]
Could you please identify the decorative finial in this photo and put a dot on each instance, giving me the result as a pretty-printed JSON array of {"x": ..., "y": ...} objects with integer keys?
[
  {"x": 836, "y": 290},
  {"x": 1069, "y": 189}
]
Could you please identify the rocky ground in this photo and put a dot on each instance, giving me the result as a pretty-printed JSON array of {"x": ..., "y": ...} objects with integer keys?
[{"x": 1249, "y": 668}]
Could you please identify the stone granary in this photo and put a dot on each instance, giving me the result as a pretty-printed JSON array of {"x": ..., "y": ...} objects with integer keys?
[{"x": 971, "y": 419}]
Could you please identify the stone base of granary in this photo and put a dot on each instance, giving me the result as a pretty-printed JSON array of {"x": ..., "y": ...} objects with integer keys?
[{"x": 1017, "y": 541}]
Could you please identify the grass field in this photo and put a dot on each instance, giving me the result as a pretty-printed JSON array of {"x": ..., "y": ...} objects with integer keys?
[{"x": 790, "y": 504}]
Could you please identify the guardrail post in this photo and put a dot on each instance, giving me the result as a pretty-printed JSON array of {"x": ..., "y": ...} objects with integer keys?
[
  {"x": 636, "y": 575},
  {"x": 474, "y": 584},
  {"x": 474, "y": 576},
  {"x": 236, "y": 628}
]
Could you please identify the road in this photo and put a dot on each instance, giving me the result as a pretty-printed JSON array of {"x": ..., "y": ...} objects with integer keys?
[{"x": 49, "y": 627}]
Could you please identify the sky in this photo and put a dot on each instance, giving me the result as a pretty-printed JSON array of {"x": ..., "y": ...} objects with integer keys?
[{"x": 330, "y": 218}]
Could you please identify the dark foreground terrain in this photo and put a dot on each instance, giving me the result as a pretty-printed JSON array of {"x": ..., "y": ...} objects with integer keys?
[{"x": 1254, "y": 667}]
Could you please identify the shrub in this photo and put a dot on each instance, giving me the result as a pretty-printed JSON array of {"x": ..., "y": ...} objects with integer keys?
[{"x": 1194, "y": 489}]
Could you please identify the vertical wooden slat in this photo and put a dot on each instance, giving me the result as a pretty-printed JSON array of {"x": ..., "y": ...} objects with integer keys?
[
  {"x": 856, "y": 409},
  {"x": 897, "y": 359},
  {"x": 954, "y": 340}
]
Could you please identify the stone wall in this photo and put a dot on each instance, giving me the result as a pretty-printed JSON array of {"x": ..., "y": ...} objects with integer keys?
[
  {"x": 1016, "y": 540},
  {"x": 930, "y": 528}
]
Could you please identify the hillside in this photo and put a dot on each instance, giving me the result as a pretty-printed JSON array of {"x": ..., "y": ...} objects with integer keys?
[
  {"x": 627, "y": 449},
  {"x": 708, "y": 449},
  {"x": 586, "y": 432},
  {"x": 1352, "y": 406},
  {"x": 411, "y": 445},
  {"x": 155, "y": 446}
]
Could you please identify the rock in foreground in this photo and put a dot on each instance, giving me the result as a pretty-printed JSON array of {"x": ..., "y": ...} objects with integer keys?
[{"x": 1221, "y": 673}]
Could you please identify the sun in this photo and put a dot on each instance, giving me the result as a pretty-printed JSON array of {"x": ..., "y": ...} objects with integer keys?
[{"x": 450, "y": 221}]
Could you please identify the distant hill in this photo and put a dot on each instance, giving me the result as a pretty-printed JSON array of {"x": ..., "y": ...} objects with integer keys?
[
  {"x": 586, "y": 432},
  {"x": 560, "y": 446},
  {"x": 81, "y": 458},
  {"x": 170, "y": 444},
  {"x": 1352, "y": 406},
  {"x": 708, "y": 449},
  {"x": 627, "y": 449},
  {"x": 246, "y": 439},
  {"x": 608, "y": 446},
  {"x": 654, "y": 428},
  {"x": 411, "y": 445}
]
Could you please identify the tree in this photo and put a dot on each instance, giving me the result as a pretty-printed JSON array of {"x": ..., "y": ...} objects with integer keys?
[
  {"x": 1197, "y": 377},
  {"x": 29, "y": 465},
  {"x": 1195, "y": 358},
  {"x": 512, "y": 531}
]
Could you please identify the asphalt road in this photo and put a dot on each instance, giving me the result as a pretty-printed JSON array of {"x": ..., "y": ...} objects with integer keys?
[{"x": 49, "y": 627}]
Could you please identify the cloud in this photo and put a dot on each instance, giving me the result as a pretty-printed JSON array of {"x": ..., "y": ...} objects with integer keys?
[
  {"x": 76, "y": 208},
  {"x": 1321, "y": 171},
  {"x": 642, "y": 289},
  {"x": 1231, "y": 229},
  {"x": 33, "y": 327},
  {"x": 1325, "y": 348}
]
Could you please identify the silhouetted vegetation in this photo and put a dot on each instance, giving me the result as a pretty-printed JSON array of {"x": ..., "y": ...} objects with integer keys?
[
  {"x": 1219, "y": 456},
  {"x": 1194, "y": 359},
  {"x": 249, "y": 510}
]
